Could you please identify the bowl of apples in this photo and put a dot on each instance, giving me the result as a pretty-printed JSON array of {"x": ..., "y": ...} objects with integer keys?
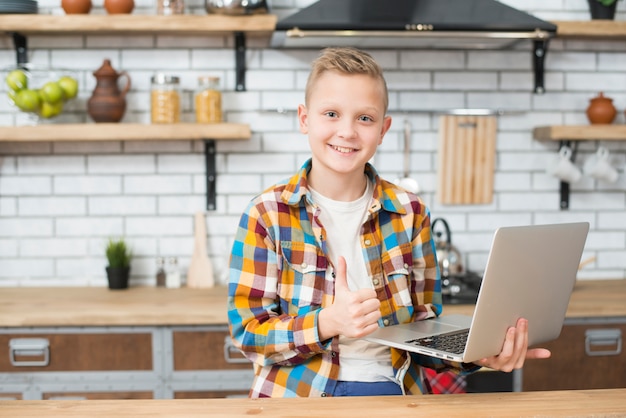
[{"x": 40, "y": 93}]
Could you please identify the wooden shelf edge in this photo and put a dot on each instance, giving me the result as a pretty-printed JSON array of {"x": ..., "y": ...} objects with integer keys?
[
  {"x": 157, "y": 24},
  {"x": 580, "y": 133},
  {"x": 591, "y": 29},
  {"x": 125, "y": 132}
]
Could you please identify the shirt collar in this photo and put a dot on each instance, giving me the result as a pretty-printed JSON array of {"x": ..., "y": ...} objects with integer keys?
[{"x": 385, "y": 196}]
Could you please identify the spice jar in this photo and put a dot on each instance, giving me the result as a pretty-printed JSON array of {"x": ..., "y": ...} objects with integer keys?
[
  {"x": 170, "y": 7},
  {"x": 172, "y": 275},
  {"x": 160, "y": 275},
  {"x": 165, "y": 99},
  {"x": 208, "y": 100}
]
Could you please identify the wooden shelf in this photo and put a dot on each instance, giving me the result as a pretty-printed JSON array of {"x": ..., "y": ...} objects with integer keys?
[
  {"x": 590, "y": 29},
  {"x": 124, "y": 132},
  {"x": 88, "y": 24},
  {"x": 580, "y": 133}
]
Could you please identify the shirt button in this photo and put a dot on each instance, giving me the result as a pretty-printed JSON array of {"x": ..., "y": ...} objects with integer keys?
[
  {"x": 375, "y": 281},
  {"x": 386, "y": 322},
  {"x": 324, "y": 394},
  {"x": 303, "y": 265},
  {"x": 333, "y": 354},
  {"x": 406, "y": 266},
  {"x": 367, "y": 242}
]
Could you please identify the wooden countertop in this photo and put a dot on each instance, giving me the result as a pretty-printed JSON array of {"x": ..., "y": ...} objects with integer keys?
[
  {"x": 99, "y": 306},
  {"x": 584, "y": 403},
  {"x": 150, "y": 306},
  {"x": 590, "y": 299}
]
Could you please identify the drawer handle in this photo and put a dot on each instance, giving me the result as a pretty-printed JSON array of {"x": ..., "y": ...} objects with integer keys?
[
  {"x": 29, "y": 347},
  {"x": 604, "y": 338},
  {"x": 230, "y": 350}
]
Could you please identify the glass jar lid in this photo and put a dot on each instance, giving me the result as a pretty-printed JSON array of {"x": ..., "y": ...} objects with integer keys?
[{"x": 162, "y": 78}]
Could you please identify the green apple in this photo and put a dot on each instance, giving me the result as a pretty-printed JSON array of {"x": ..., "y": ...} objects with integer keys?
[
  {"x": 69, "y": 85},
  {"x": 51, "y": 92},
  {"x": 27, "y": 100},
  {"x": 49, "y": 110},
  {"x": 17, "y": 80}
]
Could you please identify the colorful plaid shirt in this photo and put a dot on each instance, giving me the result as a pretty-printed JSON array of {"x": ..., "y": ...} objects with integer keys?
[{"x": 278, "y": 285}]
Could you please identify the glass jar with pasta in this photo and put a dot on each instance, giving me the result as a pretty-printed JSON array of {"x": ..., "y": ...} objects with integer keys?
[
  {"x": 208, "y": 100},
  {"x": 165, "y": 99}
]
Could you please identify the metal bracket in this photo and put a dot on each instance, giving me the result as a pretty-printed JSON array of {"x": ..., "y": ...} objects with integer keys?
[
  {"x": 539, "y": 54},
  {"x": 240, "y": 61},
  {"x": 211, "y": 173},
  {"x": 21, "y": 48},
  {"x": 564, "y": 189}
]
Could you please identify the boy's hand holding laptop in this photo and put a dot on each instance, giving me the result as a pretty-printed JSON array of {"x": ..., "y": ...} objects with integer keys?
[{"x": 514, "y": 350}]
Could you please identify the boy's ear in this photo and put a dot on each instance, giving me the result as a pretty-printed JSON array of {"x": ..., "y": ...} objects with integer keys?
[
  {"x": 303, "y": 120},
  {"x": 386, "y": 126}
]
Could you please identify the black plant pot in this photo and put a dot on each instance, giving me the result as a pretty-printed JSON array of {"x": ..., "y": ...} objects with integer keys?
[
  {"x": 601, "y": 12},
  {"x": 118, "y": 277}
]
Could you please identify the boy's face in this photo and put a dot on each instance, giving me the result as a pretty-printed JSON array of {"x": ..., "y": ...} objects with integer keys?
[{"x": 345, "y": 121}]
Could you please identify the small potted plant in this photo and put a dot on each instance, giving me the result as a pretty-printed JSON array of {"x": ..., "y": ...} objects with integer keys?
[
  {"x": 119, "y": 256},
  {"x": 602, "y": 9}
]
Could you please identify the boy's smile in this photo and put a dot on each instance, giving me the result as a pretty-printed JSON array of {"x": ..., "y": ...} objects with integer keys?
[{"x": 345, "y": 121}]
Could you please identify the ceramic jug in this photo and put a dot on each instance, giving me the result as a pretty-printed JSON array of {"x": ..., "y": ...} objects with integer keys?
[
  {"x": 107, "y": 102},
  {"x": 601, "y": 110}
]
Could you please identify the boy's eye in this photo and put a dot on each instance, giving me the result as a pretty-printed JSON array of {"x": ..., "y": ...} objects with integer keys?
[
  {"x": 365, "y": 118},
  {"x": 331, "y": 114}
]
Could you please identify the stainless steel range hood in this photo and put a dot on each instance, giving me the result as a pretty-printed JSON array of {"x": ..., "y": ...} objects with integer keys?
[{"x": 421, "y": 24}]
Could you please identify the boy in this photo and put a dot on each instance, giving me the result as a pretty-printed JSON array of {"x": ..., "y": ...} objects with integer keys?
[{"x": 326, "y": 257}]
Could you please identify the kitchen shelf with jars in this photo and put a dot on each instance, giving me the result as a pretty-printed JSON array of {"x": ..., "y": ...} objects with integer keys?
[
  {"x": 601, "y": 113},
  {"x": 20, "y": 26}
]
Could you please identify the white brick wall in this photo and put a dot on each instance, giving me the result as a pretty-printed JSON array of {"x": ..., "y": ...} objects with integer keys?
[{"x": 59, "y": 202}]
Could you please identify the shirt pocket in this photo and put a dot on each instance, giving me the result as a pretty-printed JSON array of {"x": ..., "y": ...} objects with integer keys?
[
  {"x": 397, "y": 265},
  {"x": 303, "y": 281}
]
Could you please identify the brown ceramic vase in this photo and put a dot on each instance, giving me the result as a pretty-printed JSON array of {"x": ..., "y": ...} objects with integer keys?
[
  {"x": 107, "y": 102},
  {"x": 601, "y": 110},
  {"x": 119, "y": 6},
  {"x": 72, "y": 7}
]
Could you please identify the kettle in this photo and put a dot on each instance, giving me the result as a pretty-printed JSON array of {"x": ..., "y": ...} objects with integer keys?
[{"x": 450, "y": 260}]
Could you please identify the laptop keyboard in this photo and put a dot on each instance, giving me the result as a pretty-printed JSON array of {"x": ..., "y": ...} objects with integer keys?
[{"x": 452, "y": 342}]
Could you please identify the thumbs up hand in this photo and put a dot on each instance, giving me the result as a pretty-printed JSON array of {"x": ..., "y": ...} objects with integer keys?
[{"x": 352, "y": 314}]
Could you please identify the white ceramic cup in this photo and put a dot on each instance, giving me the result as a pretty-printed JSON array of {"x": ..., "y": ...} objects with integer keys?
[
  {"x": 563, "y": 168},
  {"x": 599, "y": 167}
]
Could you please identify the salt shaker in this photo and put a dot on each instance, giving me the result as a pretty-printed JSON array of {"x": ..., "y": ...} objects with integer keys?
[
  {"x": 172, "y": 278},
  {"x": 160, "y": 274}
]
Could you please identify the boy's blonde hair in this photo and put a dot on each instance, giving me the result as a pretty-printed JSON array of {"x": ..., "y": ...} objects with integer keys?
[{"x": 345, "y": 61}]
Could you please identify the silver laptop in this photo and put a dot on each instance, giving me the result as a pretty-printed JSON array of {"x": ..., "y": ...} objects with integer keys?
[{"x": 530, "y": 273}]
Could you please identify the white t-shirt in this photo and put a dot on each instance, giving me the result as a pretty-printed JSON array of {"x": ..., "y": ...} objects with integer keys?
[{"x": 360, "y": 360}]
